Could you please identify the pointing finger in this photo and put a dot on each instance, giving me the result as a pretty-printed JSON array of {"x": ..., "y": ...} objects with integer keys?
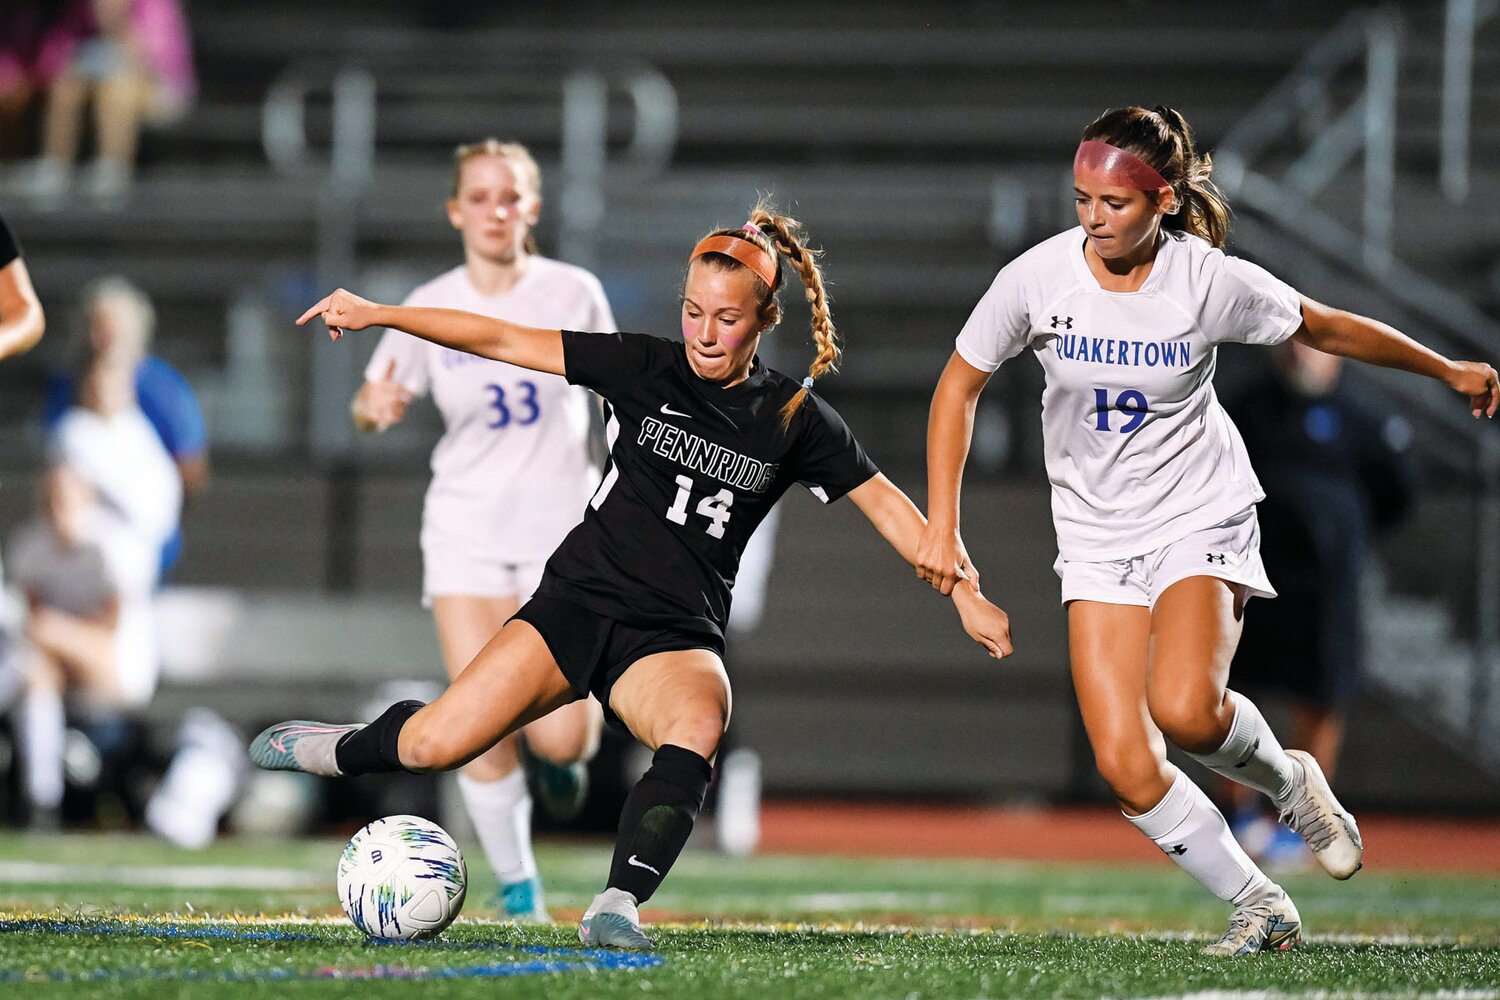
[{"x": 315, "y": 310}]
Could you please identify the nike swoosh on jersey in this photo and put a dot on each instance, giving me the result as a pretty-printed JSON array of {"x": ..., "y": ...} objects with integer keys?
[
  {"x": 674, "y": 413},
  {"x": 641, "y": 864}
]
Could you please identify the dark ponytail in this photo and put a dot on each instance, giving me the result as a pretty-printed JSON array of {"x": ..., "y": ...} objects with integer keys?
[{"x": 1162, "y": 137}]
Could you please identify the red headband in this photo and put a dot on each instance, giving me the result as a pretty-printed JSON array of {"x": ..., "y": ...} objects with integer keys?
[
  {"x": 1117, "y": 166},
  {"x": 752, "y": 255}
]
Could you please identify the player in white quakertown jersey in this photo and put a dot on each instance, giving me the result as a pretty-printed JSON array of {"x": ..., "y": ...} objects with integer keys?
[
  {"x": 510, "y": 477},
  {"x": 1139, "y": 452},
  {"x": 1153, "y": 496}
]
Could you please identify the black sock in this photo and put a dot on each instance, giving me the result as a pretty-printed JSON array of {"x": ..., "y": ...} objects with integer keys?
[
  {"x": 372, "y": 750},
  {"x": 656, "y": 820}
]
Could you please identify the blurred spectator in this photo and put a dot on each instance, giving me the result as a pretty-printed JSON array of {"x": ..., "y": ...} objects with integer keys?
[
  {"x": 22, "y": 24},
  {"x": 21, "y": 319},
  {"x": 132, "y": 61},
  {"x": 114, "y": 308},
  {"x": 1335, "y": 471}
]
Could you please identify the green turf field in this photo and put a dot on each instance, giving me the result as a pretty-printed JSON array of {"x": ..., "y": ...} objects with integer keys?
[{"x": 127, "y": 917}]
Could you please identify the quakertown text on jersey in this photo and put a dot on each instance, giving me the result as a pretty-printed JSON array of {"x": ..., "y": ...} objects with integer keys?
[{"x": 1108, "y": 351}]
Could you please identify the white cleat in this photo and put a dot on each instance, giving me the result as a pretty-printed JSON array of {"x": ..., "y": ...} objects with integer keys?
[
  {"x": 1266, "y": 922},
  {"x": 612, "y": 921},
  {"x": 1316, "y": 816}
]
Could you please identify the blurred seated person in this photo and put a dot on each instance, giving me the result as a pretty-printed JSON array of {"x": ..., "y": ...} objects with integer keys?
[
  {"x": 131, "y": 60},
  {"x": 88, "y": 579},
  {"x": 115, "y": 309},
  {"x": 1336, "y": 471}
]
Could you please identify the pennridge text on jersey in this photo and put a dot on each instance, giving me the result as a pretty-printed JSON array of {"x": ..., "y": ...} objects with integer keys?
[
  {"x": 696, "y": 453},
  {"x": 1106, "y": 351}
]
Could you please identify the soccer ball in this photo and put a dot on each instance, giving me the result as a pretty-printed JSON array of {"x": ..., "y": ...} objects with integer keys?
[{"x": 402, "y": 878}]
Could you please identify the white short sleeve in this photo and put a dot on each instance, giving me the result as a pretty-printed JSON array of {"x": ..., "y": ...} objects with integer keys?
[
  {"x": 999, "y": 327},
  {"x": 410, "y": 357},
  {"x": 1246, "y": 304}
]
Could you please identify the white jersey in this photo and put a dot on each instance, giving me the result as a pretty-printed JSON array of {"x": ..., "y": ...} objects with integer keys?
[
  {"x": 1139, "y": 451},
  {"x": 512, "y": 469},
  {"x": 123, "y": 459}
]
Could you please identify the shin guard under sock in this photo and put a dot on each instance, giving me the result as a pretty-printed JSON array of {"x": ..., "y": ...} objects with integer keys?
[{"x": 656, "y": 820}]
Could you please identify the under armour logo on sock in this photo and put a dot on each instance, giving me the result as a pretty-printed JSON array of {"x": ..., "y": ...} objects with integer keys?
[
  {"x": 632, "y": 860},
  {"x": 1249, "y": 753},
  {"x": 1175, "y": 849}
]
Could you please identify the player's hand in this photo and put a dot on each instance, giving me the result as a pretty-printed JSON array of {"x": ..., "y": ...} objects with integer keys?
[
  {"x": 380, "y": 402},
  {"x": 942, "y": 560},
  {"x": 987, "y": 625},
  {"x": 342, "y": 311},
  {"x": 1479, "y": 382}
]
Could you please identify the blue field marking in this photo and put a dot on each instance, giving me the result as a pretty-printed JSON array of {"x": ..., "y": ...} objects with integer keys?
[{"x": 547, "y": 959}]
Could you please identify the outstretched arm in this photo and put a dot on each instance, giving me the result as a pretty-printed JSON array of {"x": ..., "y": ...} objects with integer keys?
[
  {"x": 941, "y": 558},
  {"x": 900, "y": 522},
  {"x": 1334, "y": 331},
  {"x": 539, "y": 350},
  {"x": 21, "y": 320}
]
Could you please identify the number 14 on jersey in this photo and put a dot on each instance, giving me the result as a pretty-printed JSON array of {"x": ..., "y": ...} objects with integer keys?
[{"x": 715, "y": 507}]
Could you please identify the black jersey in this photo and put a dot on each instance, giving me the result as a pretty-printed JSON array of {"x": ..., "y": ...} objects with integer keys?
[
  {"x": 10, "y": 248},
  {"x": 693, "y": 469}
]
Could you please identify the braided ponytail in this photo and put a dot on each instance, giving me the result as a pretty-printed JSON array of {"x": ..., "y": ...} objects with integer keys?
[{"x": 783, "y": 236}]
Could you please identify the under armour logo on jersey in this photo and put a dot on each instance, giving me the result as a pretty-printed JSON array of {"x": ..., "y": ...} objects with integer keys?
[
  {"x": 1175, "y": 849},
  {"x": 674, "y": 413},
  {"x": 1218, "y": 557},
  {"x": 1065, "y": 322}
]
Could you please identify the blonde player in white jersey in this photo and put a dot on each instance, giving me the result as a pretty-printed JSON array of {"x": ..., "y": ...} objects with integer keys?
[
  {"x": 510, "y": 476},
  {"x": 1153, "y": 497}
]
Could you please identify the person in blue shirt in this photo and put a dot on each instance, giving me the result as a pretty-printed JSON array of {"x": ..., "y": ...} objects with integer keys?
[{"x": 164, "y": 395}]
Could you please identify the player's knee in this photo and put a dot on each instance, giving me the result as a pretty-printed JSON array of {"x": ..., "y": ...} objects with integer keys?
[
  {"x": 698, "y": 729},
  {"x": 427, "y": 748},
  {"x": 1190, "y": 720},
  {"x": 1130, "y": 773},
  {"x": 564, "y": 744}
]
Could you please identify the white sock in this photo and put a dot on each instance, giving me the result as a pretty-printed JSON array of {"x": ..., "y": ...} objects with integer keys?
[
  {"x": 1251, "y": 754},
  {"x": 42, "y": 732},
  {"x": 1192, "y": 832},
  {"x": 501, "y": 811}
]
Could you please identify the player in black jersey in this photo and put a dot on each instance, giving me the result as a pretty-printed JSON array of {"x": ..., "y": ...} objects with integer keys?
[
  {"x": 632, "y": 607},
  {"x": 21, "y": 320}
]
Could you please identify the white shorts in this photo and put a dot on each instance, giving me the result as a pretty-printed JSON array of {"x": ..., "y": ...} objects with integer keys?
[
  {"x": 1230, "y": 550},
  {"x": 456, "y": 570}
]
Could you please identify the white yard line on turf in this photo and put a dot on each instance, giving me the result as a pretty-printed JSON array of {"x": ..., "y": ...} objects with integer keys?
[{"x": 184, "y": 877}]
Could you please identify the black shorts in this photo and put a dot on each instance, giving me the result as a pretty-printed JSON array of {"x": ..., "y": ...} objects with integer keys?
[{"x": 593, "y": 651}]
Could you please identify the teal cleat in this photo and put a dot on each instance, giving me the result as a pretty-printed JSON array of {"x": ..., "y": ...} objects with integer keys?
[
  {"x": 522, "y": 901},
  {"x": 612, "y": 921},
  {"x": 301, "y": 746}
]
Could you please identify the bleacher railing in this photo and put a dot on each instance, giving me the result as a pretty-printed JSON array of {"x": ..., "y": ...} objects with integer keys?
[{"x": 1298, "y": 228}]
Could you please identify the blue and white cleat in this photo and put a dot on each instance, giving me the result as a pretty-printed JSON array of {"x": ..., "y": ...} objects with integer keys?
[
  {"x": 612, "y": 921},
  {"x": 301, "y": 746},
  {"x": 1266, "y": 922},
  {"x": 522, "y": 901}
]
